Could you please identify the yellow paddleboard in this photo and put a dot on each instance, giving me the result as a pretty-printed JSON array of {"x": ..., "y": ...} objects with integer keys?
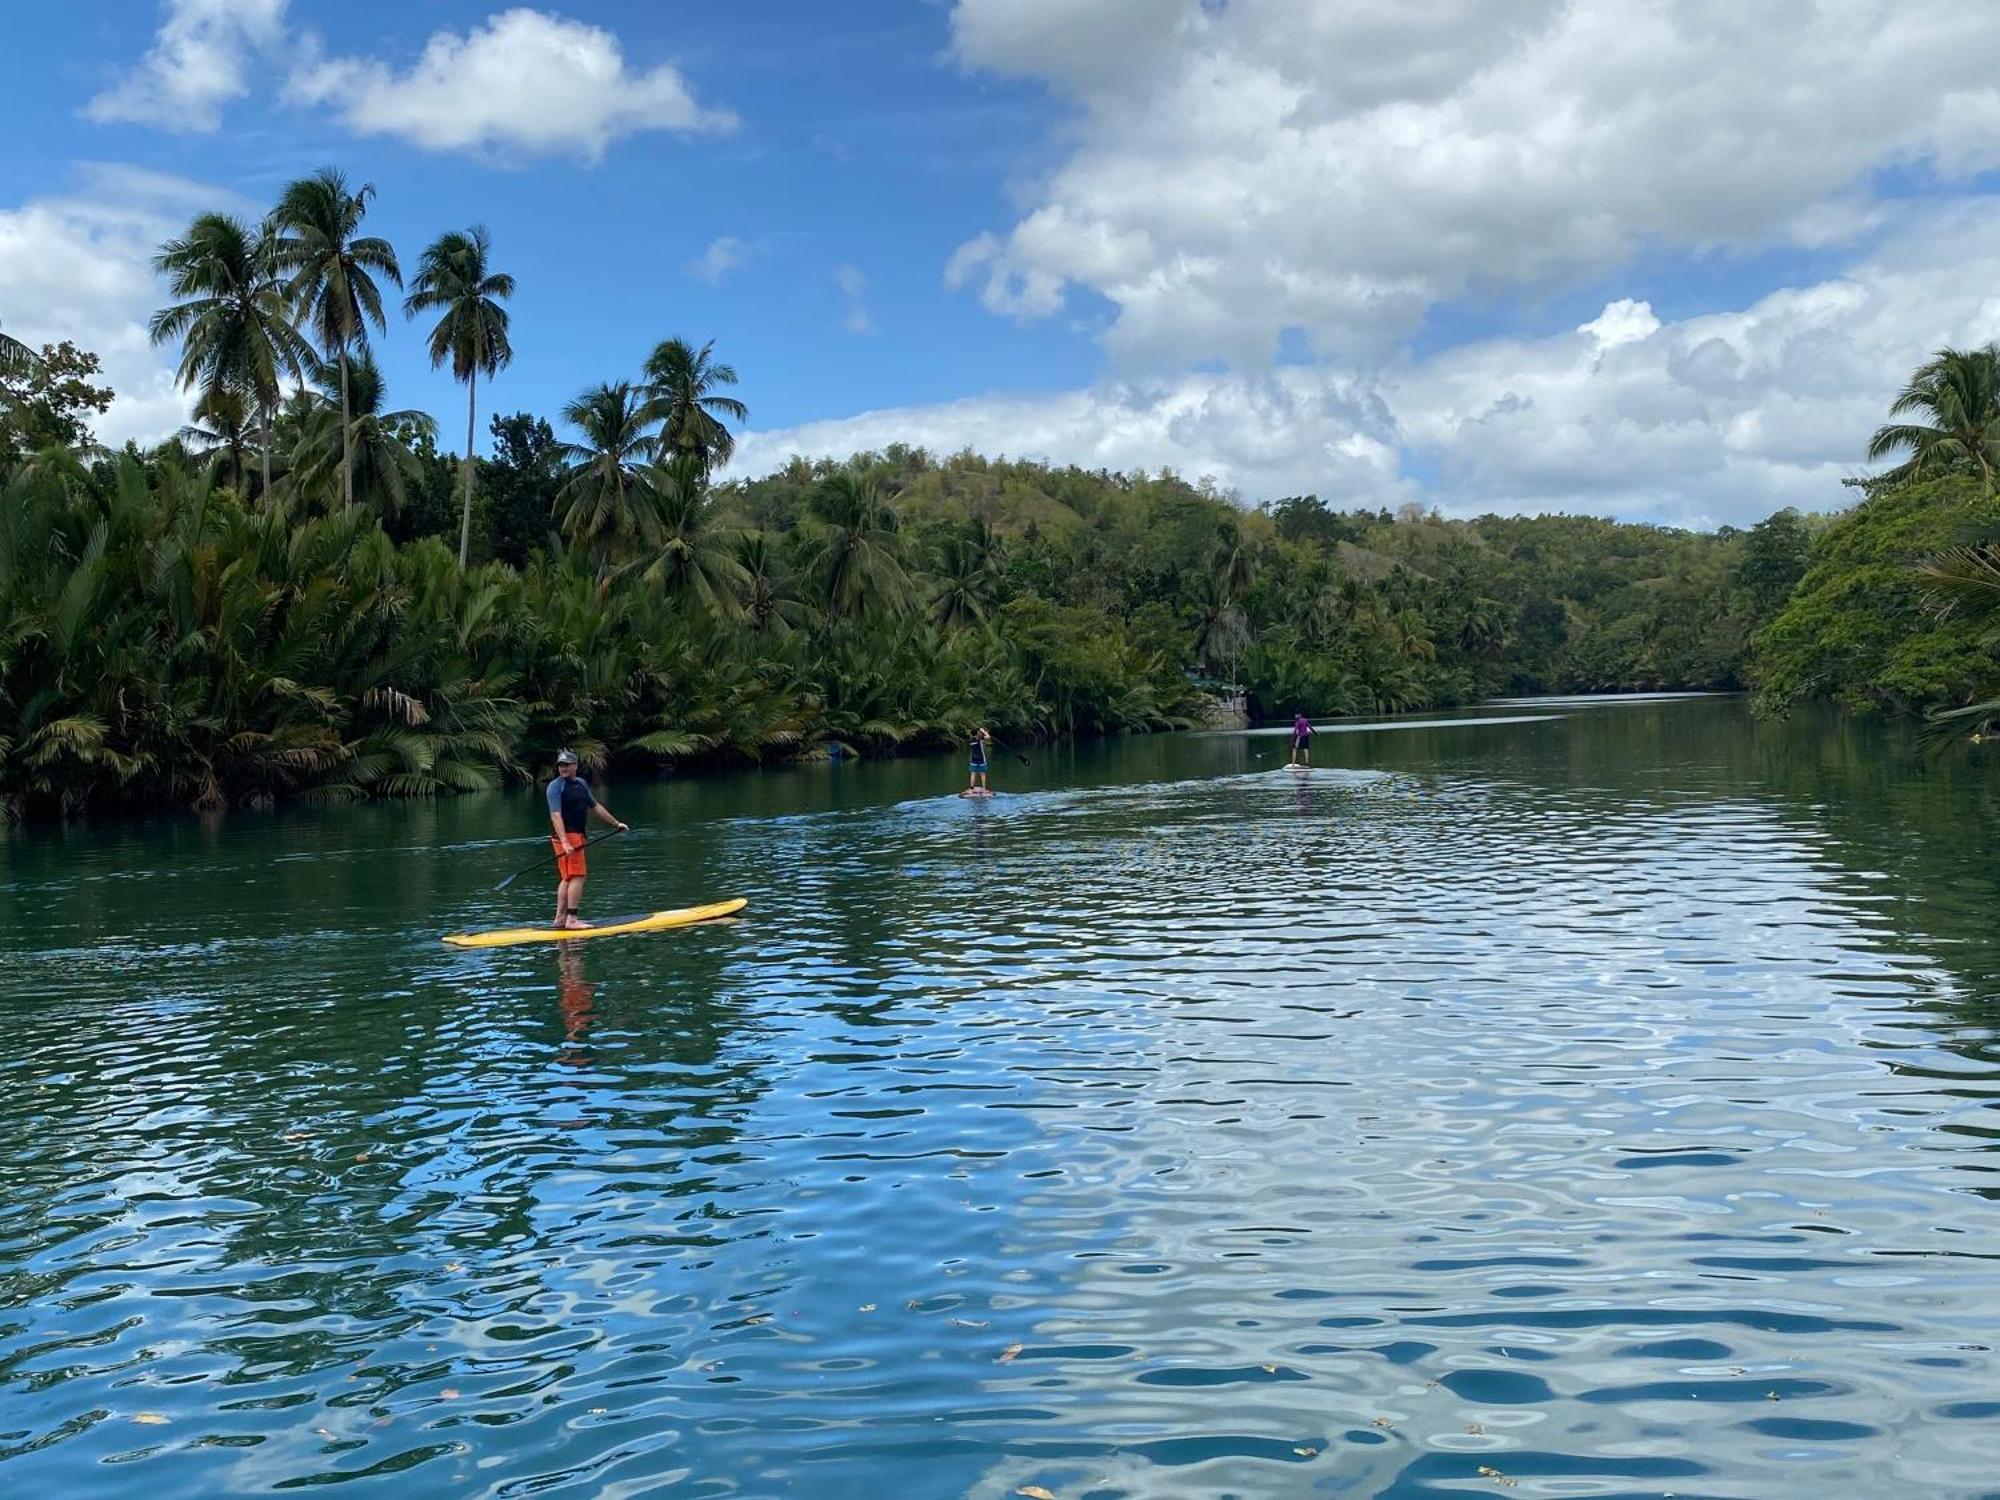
[{"x": 507, "y": 937}]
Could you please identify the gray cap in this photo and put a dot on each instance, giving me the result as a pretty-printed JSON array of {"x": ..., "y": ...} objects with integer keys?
[{"x": 565, "y": 757}]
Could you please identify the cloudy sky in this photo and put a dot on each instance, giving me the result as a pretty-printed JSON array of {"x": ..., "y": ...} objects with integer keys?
[{"x": 1661, "y": 259}]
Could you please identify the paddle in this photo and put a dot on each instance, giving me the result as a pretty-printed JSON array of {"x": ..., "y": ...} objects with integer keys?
[{"x": 553, "y": 855}]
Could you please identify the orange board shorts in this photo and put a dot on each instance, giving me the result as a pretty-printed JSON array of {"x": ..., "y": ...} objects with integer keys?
[{"x": 570, "y": 863}]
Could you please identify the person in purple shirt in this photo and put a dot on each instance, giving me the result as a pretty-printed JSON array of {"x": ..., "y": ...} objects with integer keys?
[{"x": 1302, "y": 740}]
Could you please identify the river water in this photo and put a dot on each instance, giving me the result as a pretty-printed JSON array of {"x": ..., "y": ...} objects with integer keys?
[{"x": 1561, "y": 1099}]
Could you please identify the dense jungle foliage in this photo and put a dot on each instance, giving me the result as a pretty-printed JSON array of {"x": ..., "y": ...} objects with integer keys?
[{"x": 302, "y": 596}]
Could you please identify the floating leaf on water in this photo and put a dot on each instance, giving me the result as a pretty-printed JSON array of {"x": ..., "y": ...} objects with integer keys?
[
  {"x": 1306, "y": 1452},
  {"x": 968, "y": 1323},
  {"x": 1488, "y": 1472},
  {"x": 362, "y": 1157},
  {"x": 1772, "y": 1396},
  {"x": 1268, "y": 1369},
  {"x": 297, "y": 1135},
  {"x": 450, "y": 1393},
  {"x": 1474, "y": 1428},
  {"x": 454, "y": 1266},
  {"x": 150, "y": 1419},
  {"x": 1011, "y": 1353},
  {"x": 868, "y": 1307},
  {"x": 325, "y": 1432},
  {"x": 1034, "y": 1492}
]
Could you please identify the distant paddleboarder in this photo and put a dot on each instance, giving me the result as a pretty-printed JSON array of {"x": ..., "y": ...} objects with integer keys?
[
  {"x": 570, "y": 808},
  {"x": 1302, "y": 741},
  {"x": 980, "y": 741}
]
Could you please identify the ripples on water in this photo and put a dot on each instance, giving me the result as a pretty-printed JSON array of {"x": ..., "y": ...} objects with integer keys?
[{"x": 1363, "y": 1134}]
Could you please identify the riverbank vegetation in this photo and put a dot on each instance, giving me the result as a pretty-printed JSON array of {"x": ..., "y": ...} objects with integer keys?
[{"x": 302, "y": 595}]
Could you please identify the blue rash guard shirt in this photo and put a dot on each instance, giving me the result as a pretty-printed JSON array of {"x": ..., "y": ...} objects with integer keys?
[{"x": 570, "y": 796}]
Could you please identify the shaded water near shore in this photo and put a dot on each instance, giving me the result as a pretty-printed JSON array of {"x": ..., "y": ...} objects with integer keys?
[{"x": 1601, "y": 1103}]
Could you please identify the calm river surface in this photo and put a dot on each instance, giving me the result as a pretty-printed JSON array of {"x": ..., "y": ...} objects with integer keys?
[{"x": 1595, "y": 1099}]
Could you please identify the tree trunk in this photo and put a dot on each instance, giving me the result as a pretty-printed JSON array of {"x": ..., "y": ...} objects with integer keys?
[
  {"x": 346, "y": 439},
  {"x": 264, "y": 421},
  {"x": 465, "y": 523}
]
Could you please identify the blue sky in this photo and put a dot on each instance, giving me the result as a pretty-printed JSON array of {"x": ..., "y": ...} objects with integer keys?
[
  {"x": 1480, "y": 254},
  {"x": 861, "y": 145}
]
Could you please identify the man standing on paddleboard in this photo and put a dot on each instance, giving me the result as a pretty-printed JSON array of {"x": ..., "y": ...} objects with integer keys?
[
  {"x": 570, "y": 807},
  {"x": 1302, "y": 740},
  {"x": 980, "y": 740}
]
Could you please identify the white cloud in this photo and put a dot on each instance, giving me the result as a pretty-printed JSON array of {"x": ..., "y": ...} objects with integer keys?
[
  {"x": 79, "y": 268},
  {"x": 720, "y": 258},
  {"x": 1715, "y": 419},
  {"x": 525, "y": 81},
  {"x": 853, "y": 284},
  {"x": 1341, "y": 166},
  {"x": 200, "y": 60}
]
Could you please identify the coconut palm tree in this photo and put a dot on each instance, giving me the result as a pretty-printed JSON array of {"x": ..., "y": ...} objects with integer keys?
[
  {"x": 1959, "y": 390},
  {"x": 694, "y": 558},
  {"x": 966, "y": 574},
  {"x": 453, "y": 276},
  {"x": 857, "y": 552},
  {"x": 680, "y": 387},
  {"x": 373, "y": 452},
  {"x": 333, "y": 267},
  {"x": 15, "y": 356},
  {"x": 221, "y": 427},
  {"x": 604, "y": 504},
  {"x": 233, "y": 322},
  {"x": 769, "y": 604},
  {"x": 1965, "y": 583}
]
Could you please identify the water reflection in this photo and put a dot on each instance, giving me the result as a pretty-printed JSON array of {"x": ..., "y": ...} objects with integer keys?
[{"x": 1602, "y": 1105}]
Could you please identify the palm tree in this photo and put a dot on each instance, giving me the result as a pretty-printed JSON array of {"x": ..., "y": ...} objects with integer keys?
[
  {"x": 472, "y": 334},
  {"x": 604, "y": 504},
  {"x": 695, "y": 559},
  {"x": 1959, "y": 390},
  {"x": 222, "y": 422},
  {"x": 768, "y": 600},
  {"x": 319, "y": 242},
  {"x": 965, "y": 578},
  {"x": 680, "y": 385},
  {"x": 235, "y": 329},
  {"x": 858, "y": 551},
  {"x": 1965, "y": 582},
  {"x": 373, "y": 450},
  {"x": 15, "y": 356}
]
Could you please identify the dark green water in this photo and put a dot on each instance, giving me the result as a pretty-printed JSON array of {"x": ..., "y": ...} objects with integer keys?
[{"x": 1598, "y": 1105}]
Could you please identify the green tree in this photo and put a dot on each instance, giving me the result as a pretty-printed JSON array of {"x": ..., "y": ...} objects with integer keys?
[
  {"x": 16, "y": 358},
  {"x": 234, "y": 326},
  {"x": 966, "y": 577},
  {"x": 221, "y": 427},
  {"x": 518, "y": 485},
  {"x": 1959, "y": 391},
  {"x": 681, "y": 385},
  {"x": 333, "y": 268},
  {"x": 454, "y": 277},
  {"x": 374, "y": 450},
  {"x": 857, "y": 548},
  {"x": 770, "y": 604},
  {"x": 605, "y": 505},
  {"x": 48, "y": 400},
  {"x": 692, "y": 558}
]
